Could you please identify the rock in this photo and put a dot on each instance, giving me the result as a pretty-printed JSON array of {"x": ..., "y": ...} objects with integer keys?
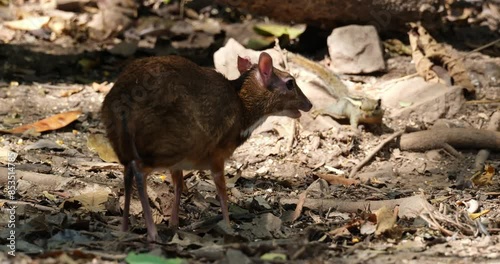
[
  {"x": 262, "y": 171},
  {"x": 356, "y": 49},
  {"x": 426, "y": 101},
  {"x": 318, "y": 188},
  {"x": 226, "y": 58},
  {"x": 236, "y": 256},
  {"x": 125, "y": 48},
  {"x": 384, "y": 171},
  {"x": 260, "y": 203},
  {"x": 266, "y": 226}
]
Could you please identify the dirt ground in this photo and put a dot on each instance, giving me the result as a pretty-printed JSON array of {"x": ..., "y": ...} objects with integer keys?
[{"x": 287, "y": 201}]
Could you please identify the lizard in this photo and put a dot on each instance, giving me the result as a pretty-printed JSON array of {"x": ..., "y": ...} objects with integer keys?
[{"x": 359, "y": 110}]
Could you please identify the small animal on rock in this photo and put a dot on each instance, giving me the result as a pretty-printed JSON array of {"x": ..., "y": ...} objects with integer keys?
[{"x": 169, "y": 113}]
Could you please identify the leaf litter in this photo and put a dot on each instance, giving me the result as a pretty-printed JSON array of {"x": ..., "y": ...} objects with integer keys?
[{"x": 286, "y": 204}]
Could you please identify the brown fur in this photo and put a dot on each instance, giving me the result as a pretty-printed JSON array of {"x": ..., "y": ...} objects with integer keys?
[{"x": 167, "y": 112}]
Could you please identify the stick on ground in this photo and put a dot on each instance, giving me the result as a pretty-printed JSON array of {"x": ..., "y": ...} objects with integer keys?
[{"x": 373, "y": 153}]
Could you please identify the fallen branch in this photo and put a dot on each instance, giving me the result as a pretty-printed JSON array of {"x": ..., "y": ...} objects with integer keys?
[
  {"x": 464, "y": 138},
  {"x": 43, "y": 181},
  {"x": 374, "y": 152},
  {"x": 36, "y": 206},
  {"x": 408, "y": 206}
]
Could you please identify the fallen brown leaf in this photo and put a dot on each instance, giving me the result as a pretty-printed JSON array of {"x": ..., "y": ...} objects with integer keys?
[
  {"x": 50, "y": 123},
  {"x": 485, "y": 177},
  {"x": 93, "y": 201}
]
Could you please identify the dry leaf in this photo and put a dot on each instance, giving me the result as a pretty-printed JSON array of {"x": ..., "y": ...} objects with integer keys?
[
  {"x": 344, "y": 230},
  {"x": 102, "y": 87},
  {"x": 484, "y": 178},
  {"x": 435, "y": 62},
  {"x": 31, "y": 23},
  {"x": 69, "y": 92},
  {"x": 50, "y": 123},
  {"x": 300, "y": 205},
  {"x": 386, "y": 219},
  {"x": 57, "y": 25},
  {"x": 49, "y": 196},
  {"x": 367, "y": 228},
  {"x": 338, "y": 180},
  {"x": 6, "y": 34},
  {"x": 100, "y": 144},
  {"x": 93, "y": 201},
  {"x": 477, "y": 215}
]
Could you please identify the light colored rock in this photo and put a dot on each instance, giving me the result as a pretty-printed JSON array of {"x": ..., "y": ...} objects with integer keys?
[
  {"x": 318, "y": 188},
  {"x": 355, "y": 49},
  {"x": 226, "y": 58},
  {"x": 427, "y": 102}
]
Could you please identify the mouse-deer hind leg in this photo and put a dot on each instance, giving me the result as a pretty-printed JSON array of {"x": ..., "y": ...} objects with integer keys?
[{"x": 140, "y": 180}]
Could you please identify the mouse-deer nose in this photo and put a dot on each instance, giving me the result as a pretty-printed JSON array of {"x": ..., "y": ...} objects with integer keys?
[{"x": 305, "y": 103}]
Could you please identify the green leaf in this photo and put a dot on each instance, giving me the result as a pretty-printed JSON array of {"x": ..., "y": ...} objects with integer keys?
[
  {"x": 259, "y": 43},
  {"x": 146, "y": 258},
  {"x": 273, "y": 256},
  {"x": 278, "y": 30}
]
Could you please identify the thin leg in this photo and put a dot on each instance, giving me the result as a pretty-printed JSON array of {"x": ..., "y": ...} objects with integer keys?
[
  {"x": 220, "y": 184},
  {"x": 140, "y": 181},
  {"x": 178, "y": 181},
  {"x": 128, "y": 176}
]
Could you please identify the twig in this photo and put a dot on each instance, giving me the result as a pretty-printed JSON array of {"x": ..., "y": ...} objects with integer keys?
[
  {"x": 300, "y": 205},
  {"x": 406, "y": 77},
  {"x": 374, "y": 152},
  {"x": 483, "y": 154},
  {"x": 476, "y": 49},
  {"x": 37, "y": 206},
  {"x": 484, "y": 101},
  {"x": 435, "y": 225},
  {"x": 452, "y": 151},
  {"x": 371, "y": 188}
]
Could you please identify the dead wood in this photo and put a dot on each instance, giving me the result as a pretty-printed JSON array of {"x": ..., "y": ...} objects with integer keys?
[
  {"x": 464, "y": 138},
  {"x": 408, "y": 206},
  {"x": 47, "y": 181},
  {"x": 483, "y": 154},
  {"x": 44, "y": 208},
  {"x": 384, "y": 14}
]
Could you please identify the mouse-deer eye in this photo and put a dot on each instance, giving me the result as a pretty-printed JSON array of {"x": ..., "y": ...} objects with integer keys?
[{"x": 290, "y": 84}]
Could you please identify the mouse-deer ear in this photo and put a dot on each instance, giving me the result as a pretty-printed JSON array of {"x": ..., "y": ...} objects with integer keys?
[
  {"x": 244, "y": 64},
  {"x": 265, "y": 67}
]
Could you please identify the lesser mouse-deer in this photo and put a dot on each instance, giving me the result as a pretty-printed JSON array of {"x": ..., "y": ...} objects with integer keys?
[{"x": 168, "y": 112}]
